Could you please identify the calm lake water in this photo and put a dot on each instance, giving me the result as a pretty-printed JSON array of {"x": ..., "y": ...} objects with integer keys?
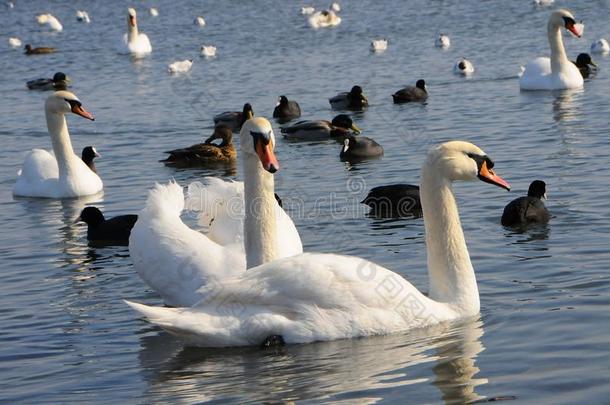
[{"x": 543, "y": 332}]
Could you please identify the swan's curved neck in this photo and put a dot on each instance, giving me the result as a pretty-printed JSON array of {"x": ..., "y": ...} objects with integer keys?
[
  {"x": 452, "y": 278},
  {"x": 260, "y": 239},
  {"x": 132, "y": 30},
  {"x": 62, "y": 146},
  {"x": 559, "y": 58}
]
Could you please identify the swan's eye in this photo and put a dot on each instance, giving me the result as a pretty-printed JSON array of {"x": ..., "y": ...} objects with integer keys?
[
  {"x": 73, "y": 103},
  {"x": 262, "y": 137},
  {"x": 569, "y": 22},
  {"x": 481, "y": 159}
]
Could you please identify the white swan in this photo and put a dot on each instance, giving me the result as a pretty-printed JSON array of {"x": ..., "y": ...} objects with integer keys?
[
  {"x": 51, "y": 21},
  {"x": 557, "y": 72},
  {"x": 317, "y": 296},
  {"x": 134, "y": 42},
  {"x": 176, "y": 260},
  {"x": 600, "y": 46},
  {"x": 200, "y": 21},
  {"x": 62, "y": 174},
  {"x": 153, "y": 12}
]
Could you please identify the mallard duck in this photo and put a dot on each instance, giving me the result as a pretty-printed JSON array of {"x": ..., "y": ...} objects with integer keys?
[
  {"x": 528, "y": 209},
  {"x": 38, "y": 51},
  {"x": 58, "y": 82},
  {"x": 286, "y": 110},
  {"x": 338, "y": 128},
  {"x": 394, "y": 201},
  {"x": 234, "y": 119},
  {"x": 205, "y": 153},
  {"x": 583, "y": 63},
  {"x": 108, "y": 231},
  {"x": 88, "y": 154},
  {"x": 356, "y": 148},
  {"x": 352, "y": 100},
  {"x": 410, "y": 93}
]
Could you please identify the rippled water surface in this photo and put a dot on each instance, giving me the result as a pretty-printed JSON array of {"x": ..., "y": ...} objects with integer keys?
[{"x": 543, "y": 332}]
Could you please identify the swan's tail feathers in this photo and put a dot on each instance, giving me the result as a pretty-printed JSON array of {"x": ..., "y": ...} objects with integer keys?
[
  {"x": 165, "y": 199},
  {"x": 158, "y": 315},
  {"x": 198, "y": 331},
  {"x": 218, "y": 325}
]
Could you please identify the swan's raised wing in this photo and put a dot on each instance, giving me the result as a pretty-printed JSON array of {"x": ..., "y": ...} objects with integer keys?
[
  {"x": 39, "y": 165},
  {"x": 219, "y": 205},
  {"x": 173, "y": 259}
]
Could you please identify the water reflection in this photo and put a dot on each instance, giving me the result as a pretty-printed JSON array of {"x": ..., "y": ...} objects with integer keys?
[
  {"x": 528, "y": 233},
  {"x": 564, "y": 108},
  {"x": 357, "y": 368}
]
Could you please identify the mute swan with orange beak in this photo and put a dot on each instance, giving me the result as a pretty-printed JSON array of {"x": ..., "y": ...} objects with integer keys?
[
  {"x": 62, "y": 174},
  {"x": 556, "y": 72},
  {"x": 316, "y": 296},
  {"x": 176, "y": 260},
  {"x": 134, "y": 42}
]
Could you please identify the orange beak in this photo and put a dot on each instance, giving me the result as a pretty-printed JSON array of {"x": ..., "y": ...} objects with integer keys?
[
  {"x": 488, "y": 176},
  {"x": 267, "y": 157},
  {"x": 79, "y": 110},
  {"x": 132, "y": 21}
]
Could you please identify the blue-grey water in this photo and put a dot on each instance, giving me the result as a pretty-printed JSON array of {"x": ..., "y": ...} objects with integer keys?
[{"x": 543, "y": 333}]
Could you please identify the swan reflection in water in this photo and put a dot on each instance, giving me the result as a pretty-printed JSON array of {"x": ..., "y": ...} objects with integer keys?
[
  {"x": 566, "y": 107},
  {"x": 365, "y": 369}
]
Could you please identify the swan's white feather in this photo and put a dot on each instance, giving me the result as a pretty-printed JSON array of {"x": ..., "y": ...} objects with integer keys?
[
  {"x": 171, "y": 257},
  {"x": 221, "y": 212},
  {"x": 176, "y": 260},
  {"x": 139, "y": 47},
  {"x": 304, "y": 298},
  {"x": 39, "y": 177}
]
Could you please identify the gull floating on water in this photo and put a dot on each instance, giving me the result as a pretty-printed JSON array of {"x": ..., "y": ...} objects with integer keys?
[
  {"x": 442, "y": 41},
  {"x": 600, "y": 46},
  {"x": 82, "y": 16},
  {"x": 463, "y": 67},
  {"x": 51, "y": 21},
  {"x": 208, "y": 51},
  {"x": 199, "y": 21},
  {"x": 14, "y": 42},
  {"x": 379, "y": 45},
  {"x": 182, "y": 66}
]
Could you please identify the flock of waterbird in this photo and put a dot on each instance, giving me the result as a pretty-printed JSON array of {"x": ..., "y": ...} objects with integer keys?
[{"x": 286, "y": 296}]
